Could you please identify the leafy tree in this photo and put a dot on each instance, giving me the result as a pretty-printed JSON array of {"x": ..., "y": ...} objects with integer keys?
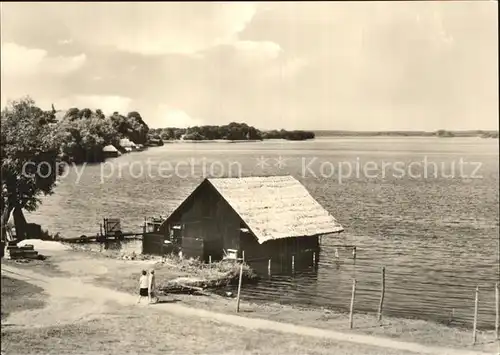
[
  {"x": 29, "y": 148},
  {"x": 72, "y": 114},
  {"x": 99, "y": 114},
  {"x": 85, "y": 113},
  {"x": 194, "y": 136},
  {"x": 83, "y": 139},
  {"x": 132, "y": 127},
  {"x": 444, "y": 133},
  {"x": 139, "y": 128}
]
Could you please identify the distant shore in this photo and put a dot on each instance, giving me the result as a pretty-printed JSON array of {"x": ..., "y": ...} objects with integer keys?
[
  {"x": 352, "y": 135},
  {"x": 212, "y": 141},
  {"x": 440, "y": 134}
]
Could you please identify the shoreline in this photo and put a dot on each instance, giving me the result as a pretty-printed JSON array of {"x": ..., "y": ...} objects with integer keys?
[
  {"x": 80, "y": 320},
  {"x": 120, "y": 275},
  {"x": 340, "y": 136}
]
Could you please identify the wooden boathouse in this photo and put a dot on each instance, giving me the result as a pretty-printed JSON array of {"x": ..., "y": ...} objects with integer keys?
[{"x": 257, "y": 216}]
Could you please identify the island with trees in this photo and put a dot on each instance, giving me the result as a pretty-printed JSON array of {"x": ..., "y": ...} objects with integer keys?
[{"x": 231, "y": 132}]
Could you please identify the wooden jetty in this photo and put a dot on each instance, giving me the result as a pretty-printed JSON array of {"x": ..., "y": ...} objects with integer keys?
[{"x": 109, "y": 230}]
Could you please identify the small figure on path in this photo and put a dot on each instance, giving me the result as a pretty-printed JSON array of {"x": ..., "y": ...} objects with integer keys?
[
  {"x": 152, "y": 287},
  {"x": 143, "y": 286}
]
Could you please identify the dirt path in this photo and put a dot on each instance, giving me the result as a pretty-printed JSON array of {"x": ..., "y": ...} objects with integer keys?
[{"x": 63, "y": 290}]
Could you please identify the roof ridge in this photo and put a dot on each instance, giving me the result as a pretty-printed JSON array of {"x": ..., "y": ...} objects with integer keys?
[{"x": 288, "y": 219}]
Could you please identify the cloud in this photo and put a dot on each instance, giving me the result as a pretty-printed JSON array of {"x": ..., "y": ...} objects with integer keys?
[
  {"x": 146, "y": 28},
  {"x": 171, "y": 117},
  {"x": 332, "y": 65},
  {"x": 287, "y": 68},
  {"x": 19, "y": 61},
  {"x": 265, "y": 49},
  {"x": 64, "y": 41}
]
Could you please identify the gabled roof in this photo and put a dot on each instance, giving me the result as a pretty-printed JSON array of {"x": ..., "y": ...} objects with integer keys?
[{"x": 275, "y": 207}]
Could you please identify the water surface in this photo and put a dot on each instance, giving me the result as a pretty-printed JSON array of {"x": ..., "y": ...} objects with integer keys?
[{"x": 436, "y": 232}]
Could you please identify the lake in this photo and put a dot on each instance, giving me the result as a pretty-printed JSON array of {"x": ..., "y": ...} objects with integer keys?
[{"x": 425, "y": 208}]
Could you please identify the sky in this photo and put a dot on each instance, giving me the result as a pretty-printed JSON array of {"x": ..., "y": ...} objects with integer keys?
[{"x": 293, "y": 65}]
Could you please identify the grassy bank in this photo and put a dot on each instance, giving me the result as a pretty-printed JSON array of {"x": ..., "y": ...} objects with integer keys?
[
  {"x": 19, "y": 296},
  {"x": 128, "y": 330},
  {"x": 123, "y": 275},
  {"x": 135, "y": 330}
]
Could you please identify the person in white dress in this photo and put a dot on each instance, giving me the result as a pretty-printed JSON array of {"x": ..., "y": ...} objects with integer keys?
[
  {"x": 152, "y": 287},
  {"x": 143, "y": 286}
]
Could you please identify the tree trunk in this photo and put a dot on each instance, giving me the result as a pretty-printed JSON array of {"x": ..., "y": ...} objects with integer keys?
[
  {"x": 20, "y": 223},
  {"x": 4, "y": 220}
]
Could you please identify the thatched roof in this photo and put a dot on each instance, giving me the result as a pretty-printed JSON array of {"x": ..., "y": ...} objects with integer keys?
[
  {"x": 109, "y": 148},
  {"x": 276, "y": 207}
]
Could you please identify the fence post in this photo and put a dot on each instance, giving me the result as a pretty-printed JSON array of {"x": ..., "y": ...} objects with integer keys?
[
  {"x": 210, "y": 260},
  {"x": 351, "y": 309},
  {"x": 239, "y": 289},
  {"x": 314, "y": 258},
  {"x": 354, "y": 253},
  {"x": 474, "y": 326},
  {"x": 382, "y": 295},
  {"x": 243, "y": 255},
  {"x": 293, "y": 263},
  {"x": 269, "y": 267},
  {"x": 497, "y": 308}
]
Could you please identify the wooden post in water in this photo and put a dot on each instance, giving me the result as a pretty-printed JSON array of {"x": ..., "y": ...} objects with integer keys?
[
  {"x": 269, "y": 267},
  {"x": 351, "y": 309},
  {"x": 497, "y": 308},
  {"x": 239, "y": 289},
  {"x": 314, "y": 258},
  {"x": 452, "y": 316},
  {"x": 382, "y": 295},
  {"x": 293, "y": 263},
  {"x": 243, "y": 255},
  {"x": 354, "y": 253},
  {"x": 210, "y": 260},
  {"x": 474, "y": 326}
]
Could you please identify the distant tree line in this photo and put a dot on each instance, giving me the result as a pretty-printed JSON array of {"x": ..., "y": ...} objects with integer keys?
[
  {"x": 439, "y": 133},
  {"x": 288, "y": 135},
  {"x": 489, "y": 135},
  {"x": 233, "y": 131},
  {"x": 444, "y": 134}
]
